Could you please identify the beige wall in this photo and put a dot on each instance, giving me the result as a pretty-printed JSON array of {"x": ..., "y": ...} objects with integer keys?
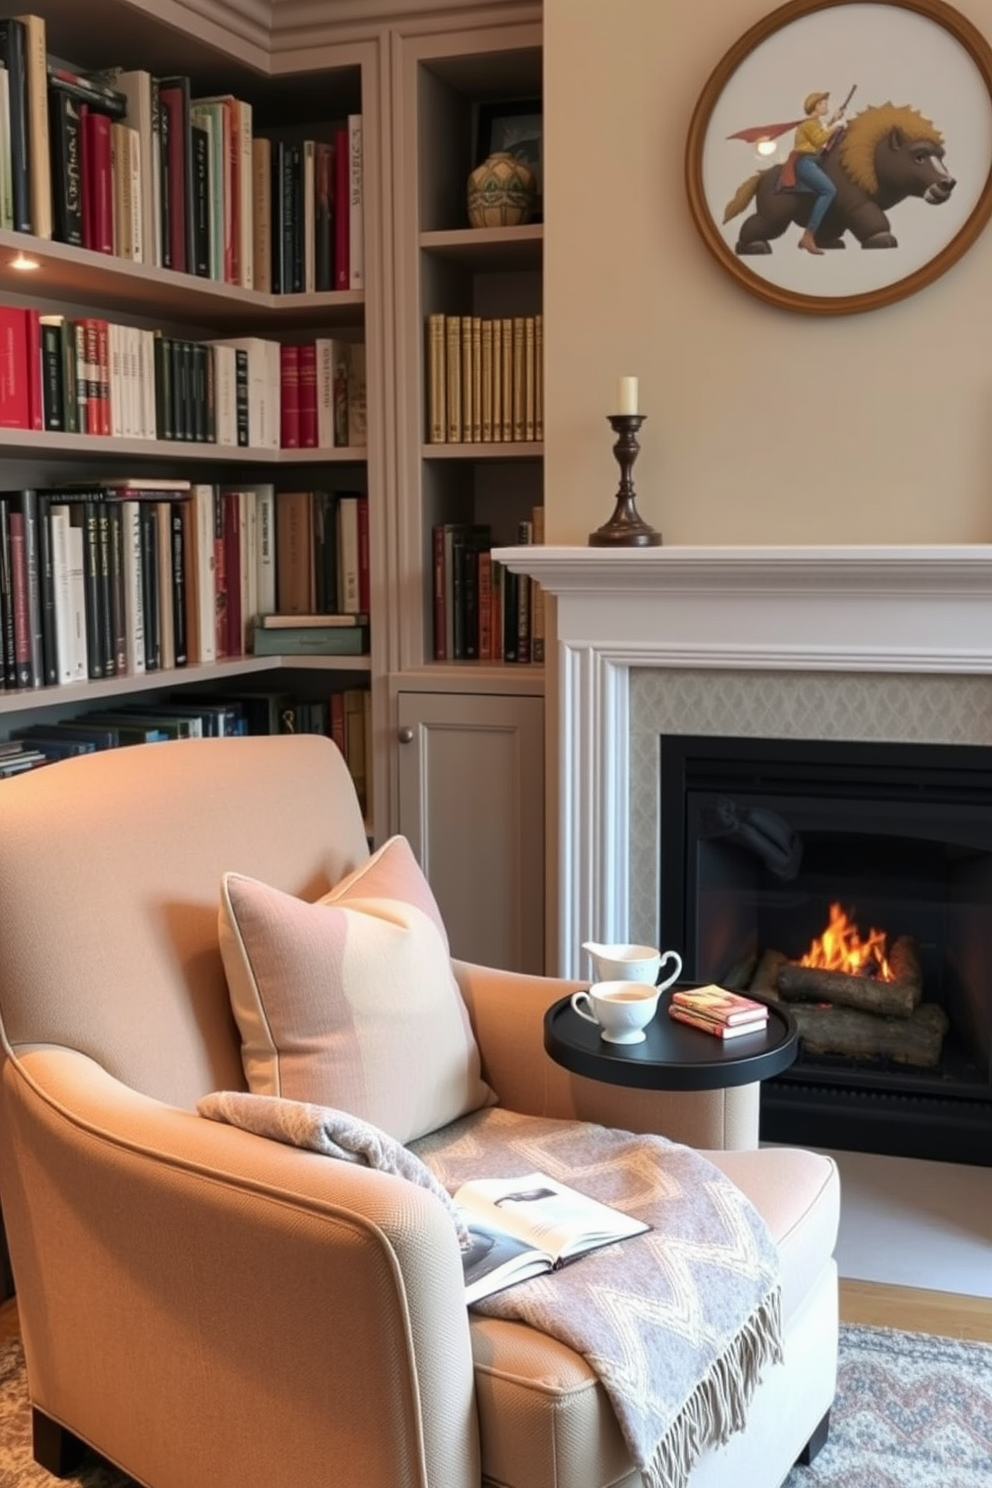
[{"x": 901, "y": 397}]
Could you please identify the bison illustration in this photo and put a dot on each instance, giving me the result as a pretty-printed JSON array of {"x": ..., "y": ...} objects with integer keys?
[{"x": 886, "y": 154}]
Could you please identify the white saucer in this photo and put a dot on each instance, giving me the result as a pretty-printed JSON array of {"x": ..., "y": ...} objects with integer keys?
[{"x": 636, "y": 1036}]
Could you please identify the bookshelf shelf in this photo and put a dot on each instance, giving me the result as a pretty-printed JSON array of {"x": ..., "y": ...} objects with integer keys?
[
  {"x": 170, "y": 451},
  {"x": 532, "y": 449},
  {"x": 67, "y": 273},
  {"x": 79, "y": 694},
  {"x": 488, "y": 249}
]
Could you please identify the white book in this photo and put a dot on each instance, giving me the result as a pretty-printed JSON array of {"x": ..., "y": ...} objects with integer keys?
[
  {"x": 166, "y": 603},
  {"x": 225, "y": 394},
  {"x": 246, "y": 196},
  {"x": 262, "y": 548},
  {"x": 325, "y": 391},
  {"x": 74, "y": 668},
  {"x": 527, "y": 1226},
  {"x": 200, "y": 573},
  {"x": 117, "y": 419},
  {"x": 134, "y": 603},
  {"x": 146, "y": 376},
  {"x": 263, "y": 388},
  {"x": 6, "y": 177},
  {"x": 356, "y": 206},
  {"x": 58, "y": 526},
  {"x": 135, "y": 223},
  {"x": 349, "y": 602},
  {"x": 137, "y": 89}
]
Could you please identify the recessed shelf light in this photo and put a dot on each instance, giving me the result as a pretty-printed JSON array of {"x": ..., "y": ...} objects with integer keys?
[{"x": 21, "y": 261}]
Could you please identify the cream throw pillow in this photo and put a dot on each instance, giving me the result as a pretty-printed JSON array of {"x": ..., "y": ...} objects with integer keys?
[{"x": 351, "y": 1001}]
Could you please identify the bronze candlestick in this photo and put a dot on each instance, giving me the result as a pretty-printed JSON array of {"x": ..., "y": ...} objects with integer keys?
[{"x": 625, "y": 528}]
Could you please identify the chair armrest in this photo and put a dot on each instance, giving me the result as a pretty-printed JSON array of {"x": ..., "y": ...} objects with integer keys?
[
  {"x": 221, "y": 1280},
  {"x": 507, "y": 1012}
]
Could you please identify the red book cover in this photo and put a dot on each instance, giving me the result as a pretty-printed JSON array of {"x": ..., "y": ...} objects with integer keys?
[
  {"x": 171, "y": 99},
  {"x": 220, "y": 577},
  {"x": 289, "y": 397},
  {"x": 98, "y": 192},
  {"x": 36, "y": 395},
  {"x": 91, "y": 358},
  {"x": 342, "y": 255},
  {"x": 337, "y": 719},
  {"x": 232, "y": 567},
  {"x": 719, "y": 1005},
  {"x": 707, "y": 1025},
  {"x": 15, "y": 405},
  {"x": 308, "y": 395},
  {"x": 364, "y": 559},
  {"x": 19, "y": 596}
]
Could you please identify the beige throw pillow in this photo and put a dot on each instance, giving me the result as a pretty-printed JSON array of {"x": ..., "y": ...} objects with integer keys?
[{"x": 351, "y": 1001}]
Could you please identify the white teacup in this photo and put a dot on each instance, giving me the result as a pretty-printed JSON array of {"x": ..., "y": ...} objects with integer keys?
[
  {"x": 622, "y": 962},
  {"x": 622, "y": 1009}
]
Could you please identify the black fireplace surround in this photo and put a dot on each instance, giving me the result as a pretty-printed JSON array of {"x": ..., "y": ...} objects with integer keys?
[{"x": 760, "y": 836}]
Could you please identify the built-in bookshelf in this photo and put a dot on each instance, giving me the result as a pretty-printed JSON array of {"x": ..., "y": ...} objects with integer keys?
[{"x": 64, "y": 278}]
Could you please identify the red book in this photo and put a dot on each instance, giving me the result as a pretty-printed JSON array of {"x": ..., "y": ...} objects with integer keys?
[
  {"x": 19, "y": 598},
  {"x": 289, "y": 397},
  {"x": 308, "y": 395},
  {"x": 342, "y": 254},
  {"x": 337, "y": 719},
  {"x": 36, "y": 395},
  {"x": 98, "y": 191},
  {"x": 232, "y": 568},
  {"x": 15, "y": 402},
  {"x": 719, "y": 1005},
  {"x": 220, "y": 578}
]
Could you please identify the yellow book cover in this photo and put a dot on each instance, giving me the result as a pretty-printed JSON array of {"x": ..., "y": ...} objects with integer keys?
[
  {"x": 436, "y": 401},
  {"x": 529, "y": 384},
  {"x": 506, "y": 420},
  {"x": 468, "y": 387},
  {"x": 497, "y": 381},
  {"x": 261, "y": 168},
  {"x": 476, "y": 364},
  {"x": 453, "y": 377},
  {"x": 517, "y": 380},
  {"x": 486, "y": 382},
  {"x": 539, "y": 377}
]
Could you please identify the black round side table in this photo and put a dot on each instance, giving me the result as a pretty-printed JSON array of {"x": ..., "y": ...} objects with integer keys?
[{"x": 673, "y": 1056}]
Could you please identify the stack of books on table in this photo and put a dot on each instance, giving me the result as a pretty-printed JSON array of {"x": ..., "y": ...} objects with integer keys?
[{"x": 717, "y": 1011}]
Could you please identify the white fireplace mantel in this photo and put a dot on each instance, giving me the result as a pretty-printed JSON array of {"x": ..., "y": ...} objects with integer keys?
[{"x": 898, "y": 609}]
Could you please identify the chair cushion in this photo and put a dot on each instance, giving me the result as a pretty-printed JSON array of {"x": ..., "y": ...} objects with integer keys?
[{"x": 351, "y": 1001}]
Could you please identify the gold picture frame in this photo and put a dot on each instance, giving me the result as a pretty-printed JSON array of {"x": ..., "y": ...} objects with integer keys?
[{"x": 899, "y": 215}]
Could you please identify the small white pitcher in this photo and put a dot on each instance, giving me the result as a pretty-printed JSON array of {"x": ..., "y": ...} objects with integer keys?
[{"x": 622, "y": 962}]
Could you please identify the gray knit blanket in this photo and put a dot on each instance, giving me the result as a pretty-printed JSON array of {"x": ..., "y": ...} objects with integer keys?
[{"x": 678, "y": 1323}]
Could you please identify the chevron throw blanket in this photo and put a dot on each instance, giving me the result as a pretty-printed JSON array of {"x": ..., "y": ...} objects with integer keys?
[{"x": 679, "y": 1322}]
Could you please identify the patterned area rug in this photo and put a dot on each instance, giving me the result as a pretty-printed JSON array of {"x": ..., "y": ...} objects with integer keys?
[{"x": 911, "y": 1412}]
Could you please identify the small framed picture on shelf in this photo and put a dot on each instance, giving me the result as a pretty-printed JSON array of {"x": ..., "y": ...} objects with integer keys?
[{"x": 514, "y": 127}]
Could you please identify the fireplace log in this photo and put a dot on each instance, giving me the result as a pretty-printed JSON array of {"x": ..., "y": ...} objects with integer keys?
[
  {"x": 915, "y": 1040},
  {"x": 765, "y": 979},
  {"x": 810, "y": 984},
  {"x": 904, "y": 963}
]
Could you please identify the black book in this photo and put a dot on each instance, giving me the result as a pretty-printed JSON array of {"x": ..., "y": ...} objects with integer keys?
[
  {"x": 278, "y": 208},
  {"x": 46, "y": 579},
  {"x": 26, "y": 589},
  {"x": 198, "y": 390},
  {"x": 297, "y": 218},
  {"x": 100, "y": 736},
  {"x": 65, "y": 131},
  {"x": 325, "y": 504},
  {"x": 53, "y": 372},
  {"x": 164, "y": 422},
  {"x": 8, "y": 667},
  {"x": 162, "y": 126},
  {"x": 178, "y": 535},
  {"x": 118, "y": 620},
  {"x": 241, "y": 395},
  {"x": 13, "y": 57},
  {"x": 323, "y": 215},
  {"x": 180, "y": 396},
  {"x": 200, "y": 149},
  {"x": 149, "y": 585},
  {"x": 108, "y": 644}
]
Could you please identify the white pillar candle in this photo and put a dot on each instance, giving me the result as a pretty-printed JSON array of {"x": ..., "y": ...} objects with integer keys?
[{"x": 627, "y": 395}]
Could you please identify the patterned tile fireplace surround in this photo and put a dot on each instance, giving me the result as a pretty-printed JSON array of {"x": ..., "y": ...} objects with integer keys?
[{"x": 887, "y": 644}]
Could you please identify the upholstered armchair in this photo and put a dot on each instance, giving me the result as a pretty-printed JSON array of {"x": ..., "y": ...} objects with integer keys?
[{"x": 208, "y": 1308}]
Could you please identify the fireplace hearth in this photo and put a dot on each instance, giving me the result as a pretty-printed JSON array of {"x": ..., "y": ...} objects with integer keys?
[{"x": 765, "y": 842}]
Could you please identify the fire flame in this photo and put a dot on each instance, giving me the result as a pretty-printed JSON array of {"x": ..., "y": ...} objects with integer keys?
[{"x": 840, "y": 948}]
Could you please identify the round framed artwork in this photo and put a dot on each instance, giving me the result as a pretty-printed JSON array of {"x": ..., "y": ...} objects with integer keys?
[{"x": 840, "y": 155}]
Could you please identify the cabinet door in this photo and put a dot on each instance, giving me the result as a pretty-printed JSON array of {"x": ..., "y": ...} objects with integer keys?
[{"x": 471, "y": 803}]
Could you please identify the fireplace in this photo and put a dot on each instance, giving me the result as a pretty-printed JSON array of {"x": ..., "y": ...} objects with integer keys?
[
  {"x": 818, "y": 645},
  {"x": 762, "y": 837}
]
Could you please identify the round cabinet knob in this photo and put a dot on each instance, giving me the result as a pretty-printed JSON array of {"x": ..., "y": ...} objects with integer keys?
[{"x": 406, "y": 736}]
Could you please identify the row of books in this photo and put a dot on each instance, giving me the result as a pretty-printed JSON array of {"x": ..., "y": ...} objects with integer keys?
[
  {"x": 126, "y": 577},
  {"x": 123, "y": 162},
  {"x": 343, "y": 715},
  {"x": 717, "y": 1011},
  {"x": 485, "y": 379},
  {"x": 89, "y": 375},
  {"x": 482, "y": 611}
]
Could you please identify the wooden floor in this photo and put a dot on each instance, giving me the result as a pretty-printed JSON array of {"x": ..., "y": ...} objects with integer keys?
[{"x": 908, "y": 1308}]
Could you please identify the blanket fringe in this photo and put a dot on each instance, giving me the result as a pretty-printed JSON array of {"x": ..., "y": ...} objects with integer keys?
[{"x": 718, "y": 1405}]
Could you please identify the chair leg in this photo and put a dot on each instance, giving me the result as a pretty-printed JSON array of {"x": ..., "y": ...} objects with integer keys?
[
  {"x": 817, "y": 1441},
  {"x": 53, "y": 1447}
]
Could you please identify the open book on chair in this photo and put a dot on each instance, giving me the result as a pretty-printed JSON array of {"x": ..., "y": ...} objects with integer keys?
[{"x": 521, "y": 1227}]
